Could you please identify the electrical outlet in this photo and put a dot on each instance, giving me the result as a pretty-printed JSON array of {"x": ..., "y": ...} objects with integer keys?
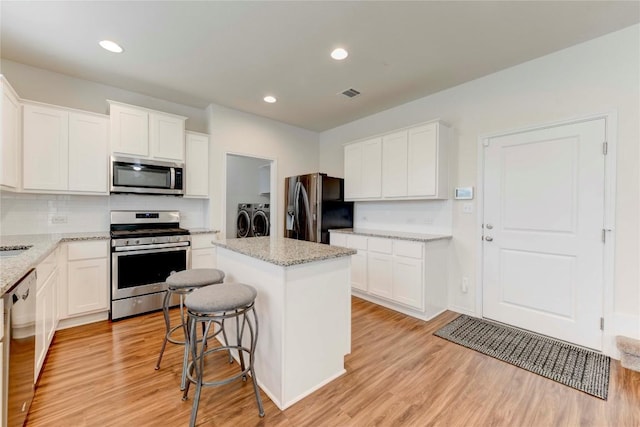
[
  {"x": 58, "y": 219},
  {"x": 467, "y": 208},
  {"x": 465, "y": 285}
]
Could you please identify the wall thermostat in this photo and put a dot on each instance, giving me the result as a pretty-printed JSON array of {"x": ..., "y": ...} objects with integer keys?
[{"x": 464, "y": 193}]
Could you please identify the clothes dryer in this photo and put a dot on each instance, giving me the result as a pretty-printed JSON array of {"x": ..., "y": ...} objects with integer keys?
[
  {"x": 260, "y": 223},
  {"x": 244, "y": 220}
]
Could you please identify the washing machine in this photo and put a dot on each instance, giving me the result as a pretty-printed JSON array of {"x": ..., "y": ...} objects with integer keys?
[
  {"x": 260, "y": 222},
  {"x": 244, "y": 220}
]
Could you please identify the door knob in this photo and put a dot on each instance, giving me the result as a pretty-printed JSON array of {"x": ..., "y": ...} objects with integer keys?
[
  {"x": 489, "y": 226},
  {"x": 489, "y": 239}
]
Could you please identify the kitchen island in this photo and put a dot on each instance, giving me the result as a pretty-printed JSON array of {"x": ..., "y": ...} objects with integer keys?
[{"x": 303, "y": 307}]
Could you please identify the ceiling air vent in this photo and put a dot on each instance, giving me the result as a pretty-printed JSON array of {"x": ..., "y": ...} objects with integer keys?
[{"x": 350, "y": 93}]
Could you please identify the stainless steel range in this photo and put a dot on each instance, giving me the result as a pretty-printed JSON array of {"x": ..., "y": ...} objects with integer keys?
[{"x": 146, "y": 247}]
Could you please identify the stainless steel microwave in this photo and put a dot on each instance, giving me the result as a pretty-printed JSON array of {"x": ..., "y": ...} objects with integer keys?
[{"x": 141, "y": 176}]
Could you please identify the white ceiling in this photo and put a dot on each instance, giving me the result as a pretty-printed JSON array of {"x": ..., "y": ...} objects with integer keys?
[{"x": 234, "y": 53}]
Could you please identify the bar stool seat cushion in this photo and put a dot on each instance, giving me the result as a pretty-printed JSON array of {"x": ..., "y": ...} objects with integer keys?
[
  {"x": 195, "y": 277},
  {"x": 224, "y": 297}
]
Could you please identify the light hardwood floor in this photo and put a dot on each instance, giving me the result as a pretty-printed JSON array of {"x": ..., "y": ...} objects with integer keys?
[{"x": 398, "y": 374}]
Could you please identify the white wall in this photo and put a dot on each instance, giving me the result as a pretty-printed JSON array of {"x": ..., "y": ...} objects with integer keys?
[
  {"x": 294, "y": 151},
  {"x": 46, "y": 86},
  {"x": 242, "y": 187},
  {"x": 593, "y": 77}
]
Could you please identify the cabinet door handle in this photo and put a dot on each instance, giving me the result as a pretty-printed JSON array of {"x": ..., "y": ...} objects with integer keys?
[{"x": 489, "y": 239}]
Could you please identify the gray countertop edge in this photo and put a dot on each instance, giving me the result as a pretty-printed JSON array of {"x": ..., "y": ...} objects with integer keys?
[
  {"x": 203, "y": 231},
  {"x": 41, "y": 245},
  {"x": 397, "y": 235},
  {"x": 333, "y": 253}
]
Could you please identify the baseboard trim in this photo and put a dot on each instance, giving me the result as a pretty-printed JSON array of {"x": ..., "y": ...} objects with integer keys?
[
  {"x": 620, "y": 324},
  {"x": 72, "y": 322}
]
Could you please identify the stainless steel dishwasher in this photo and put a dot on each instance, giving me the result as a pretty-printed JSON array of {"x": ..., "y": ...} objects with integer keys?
[{"x": 20, "y": 338}]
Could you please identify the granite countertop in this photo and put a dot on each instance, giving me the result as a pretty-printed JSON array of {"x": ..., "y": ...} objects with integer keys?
[
  {"x": 399, "y": 235},
  {"x": 39, "y": 246},
  {"x": 282, "y": 251}
]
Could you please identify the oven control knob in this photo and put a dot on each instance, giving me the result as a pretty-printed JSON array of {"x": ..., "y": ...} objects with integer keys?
[{"x": 137, "y": 242}]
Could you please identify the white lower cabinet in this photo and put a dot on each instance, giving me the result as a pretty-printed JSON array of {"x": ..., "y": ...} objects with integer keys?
[
  {"x": 407, "y": 276},
  {"x": 87, "y": 278},
  {"x": 407, "y": 281},
  {"x": 46, "y": 307},
  {"x": 203, "y": 251},
  {"x": 380, "y": 274}
]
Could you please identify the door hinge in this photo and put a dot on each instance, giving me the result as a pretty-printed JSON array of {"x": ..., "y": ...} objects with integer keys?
[
  {"x": 602, "y": 323},
  {"x": 605, "y": 148}
]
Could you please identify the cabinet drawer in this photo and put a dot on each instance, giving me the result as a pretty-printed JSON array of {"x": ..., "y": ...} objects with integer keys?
[
  {"x": 382, "y": 246},
  {"x": 88, "y": 250},
  {"x": 407, "y": 249},
  {"x": 202, "y": 241},
  {"x": 357, "y": 242},
  {"x": 46, "y": 267}
]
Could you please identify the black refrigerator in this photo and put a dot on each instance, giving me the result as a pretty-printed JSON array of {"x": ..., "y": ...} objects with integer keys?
[{"x": 314, "y": 204}]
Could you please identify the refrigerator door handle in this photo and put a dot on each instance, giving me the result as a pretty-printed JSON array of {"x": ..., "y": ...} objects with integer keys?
[
  {"x": 307, "y": 210},
  {"x": 296, "y": 209}
]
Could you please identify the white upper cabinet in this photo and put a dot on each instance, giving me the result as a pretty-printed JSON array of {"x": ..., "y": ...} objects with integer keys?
[
  {"x": 412, "y": 164},
  {"x": 197, "y": 165},
  {"x": 394, "y": 164},
  {"x": 166, "y": 134},
  {"x": 129, "y": 130},
  {"x": 10, "y": 144},
  {"x": 428, "y": 172},
  {"x": 45, "y": 148},
  {"x": 363, "y": 169},
  {"x": 88, "y": 153},
  {"x": 143, "y": 133},
  {"x": 64, "y": 151}
]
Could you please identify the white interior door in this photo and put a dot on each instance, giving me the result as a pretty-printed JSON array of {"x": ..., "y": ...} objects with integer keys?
[{"x": 543, "y": 218}]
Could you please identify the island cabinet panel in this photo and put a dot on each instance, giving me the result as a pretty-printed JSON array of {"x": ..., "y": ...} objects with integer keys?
[
  {"x": 304, "y": 314},
  {"x": 406, "y": 164},
  {"x": 406, "y": 276}
]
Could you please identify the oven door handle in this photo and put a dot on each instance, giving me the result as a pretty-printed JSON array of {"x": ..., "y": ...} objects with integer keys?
[{"x": 144, "y": 249}]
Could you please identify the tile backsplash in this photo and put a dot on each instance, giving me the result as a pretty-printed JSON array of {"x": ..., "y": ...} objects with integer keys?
[
  {"x": 412, "y": 216},
  {"x": 50, "y": 213}
]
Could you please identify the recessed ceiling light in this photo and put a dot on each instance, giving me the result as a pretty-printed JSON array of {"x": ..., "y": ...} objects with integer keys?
[
  {"x": 111, "y": 46},
  {"x": 339, "y": 54},
  {"x": 270, "y": 99}
]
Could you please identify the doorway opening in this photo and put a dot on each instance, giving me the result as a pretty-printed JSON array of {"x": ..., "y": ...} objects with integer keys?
[{"x": 249, "y": 197}]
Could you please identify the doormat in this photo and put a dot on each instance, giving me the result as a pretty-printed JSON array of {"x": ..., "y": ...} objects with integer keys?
[{"x": 576, "y": 367}]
